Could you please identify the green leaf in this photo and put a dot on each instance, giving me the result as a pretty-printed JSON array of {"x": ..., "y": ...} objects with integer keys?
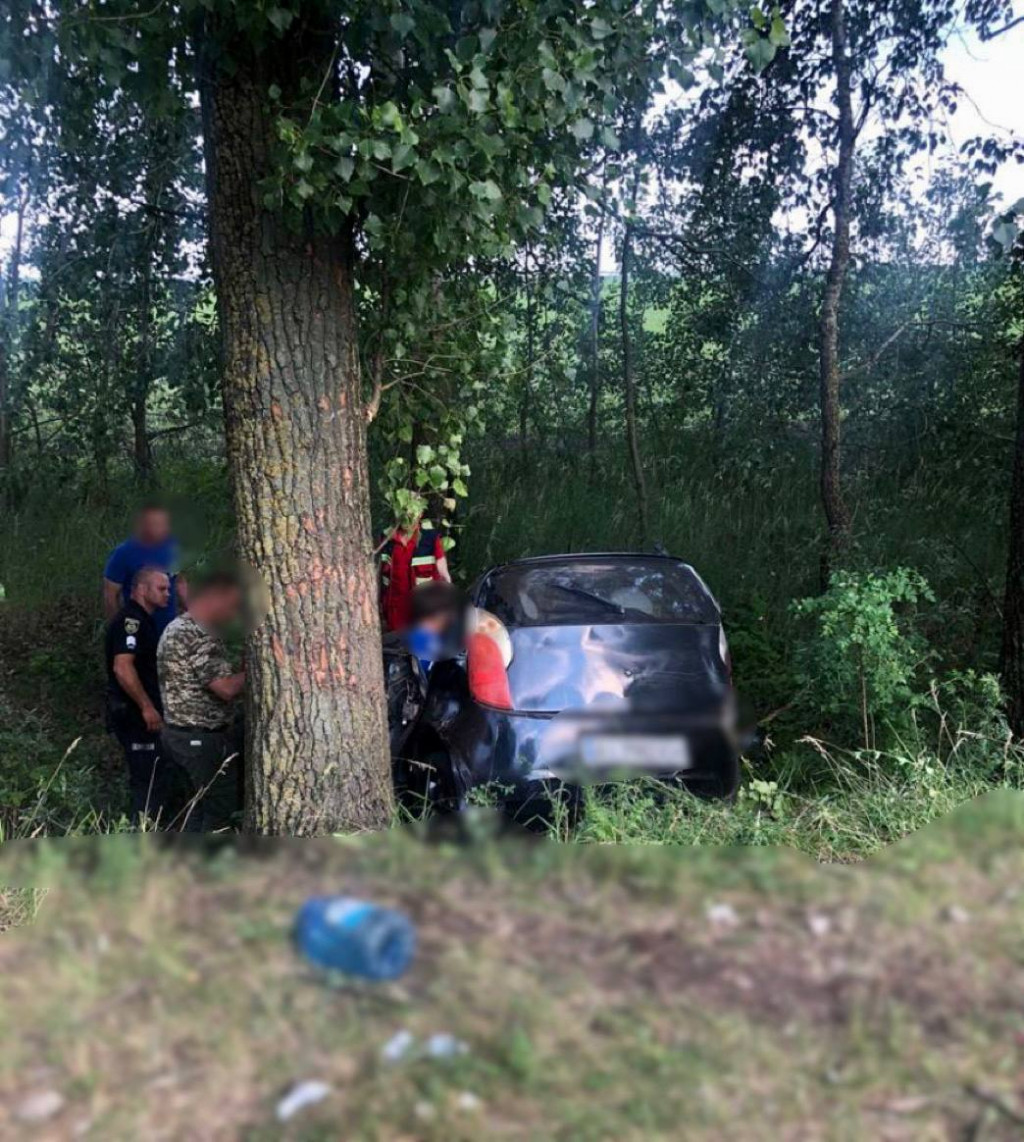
[
  {"x": 403, "y": 23},
  {"x": 610, "y": 139},
  {"x": 445, "y": 98},
  {"x": 344, "y": 167},
  {"x": 487, "y": 190},
  {"x": 424, "y": 454},
  {"x": 553, "y": 80},
  {"x": 778, "y": 34},
  {"x": 281, "y": 18},
  {"x": 760, "y": 52},
  {"x": 402, "y": 157},
  {"x": 582, "y": 129}
]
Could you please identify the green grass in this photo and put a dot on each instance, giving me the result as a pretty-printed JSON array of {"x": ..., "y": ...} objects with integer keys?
[{"x": 602, "y": 991}]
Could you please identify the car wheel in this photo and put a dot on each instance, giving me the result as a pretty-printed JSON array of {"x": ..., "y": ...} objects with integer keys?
[
  {"x": 720, "y": 783},
  {"x": 431, "y": 786},
  {"x": 545, "y": 807}
]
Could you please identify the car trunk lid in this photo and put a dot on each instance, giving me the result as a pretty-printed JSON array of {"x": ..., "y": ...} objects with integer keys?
[{"x": 657, "y": 667}]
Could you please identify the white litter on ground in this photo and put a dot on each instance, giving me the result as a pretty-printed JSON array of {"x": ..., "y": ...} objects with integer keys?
[
  {"x": 445, "y": 1046},
  {"x": 299, "y": 1097},
  {"x": 398, "y": 1046}
]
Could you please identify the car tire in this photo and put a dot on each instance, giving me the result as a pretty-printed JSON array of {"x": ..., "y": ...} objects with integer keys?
[
  {"x": 540, "y": 807},
  {"x": 720, "y": 783},
  {"x": 431, "y": 787}
]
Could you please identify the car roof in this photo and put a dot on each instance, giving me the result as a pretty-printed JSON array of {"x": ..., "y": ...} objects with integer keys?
[
  {"x": 526, "y": 560},
  {"x": 576, "y": 556}
]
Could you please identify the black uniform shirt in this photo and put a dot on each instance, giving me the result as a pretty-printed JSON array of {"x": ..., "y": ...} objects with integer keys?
[{"x": 132, "y": 631}]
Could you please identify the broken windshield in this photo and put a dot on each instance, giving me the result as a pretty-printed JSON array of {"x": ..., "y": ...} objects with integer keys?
[{"x": 596, "y": 591}]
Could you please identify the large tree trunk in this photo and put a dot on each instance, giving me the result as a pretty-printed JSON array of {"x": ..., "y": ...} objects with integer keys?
[
  {"x": 837, "y": 515},
  {"x": 629, "y": 384},
  {"x": 317, "y": 753},
  {"x": 1013, "y": 605}
]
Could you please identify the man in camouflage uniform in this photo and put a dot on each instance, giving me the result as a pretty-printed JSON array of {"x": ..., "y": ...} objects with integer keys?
[{"x": 200, "y": 690}]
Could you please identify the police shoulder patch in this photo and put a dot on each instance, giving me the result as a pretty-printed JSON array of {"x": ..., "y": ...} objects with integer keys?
[{"x": 131, "y": 626}]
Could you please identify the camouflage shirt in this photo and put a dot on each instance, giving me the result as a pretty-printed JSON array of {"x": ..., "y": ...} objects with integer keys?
[{"x": 188, "y": 659}]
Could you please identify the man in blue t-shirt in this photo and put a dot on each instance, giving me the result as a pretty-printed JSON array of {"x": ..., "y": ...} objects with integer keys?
[{"x": 150, "y": 545}]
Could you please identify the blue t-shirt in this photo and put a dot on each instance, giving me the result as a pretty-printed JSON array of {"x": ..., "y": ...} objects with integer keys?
[{"x": 130, "y": 557}]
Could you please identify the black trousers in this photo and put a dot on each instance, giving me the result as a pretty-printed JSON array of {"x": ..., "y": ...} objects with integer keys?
[
  {"x": 212, "y": 759},
  {"x": 147, "y": 772}
]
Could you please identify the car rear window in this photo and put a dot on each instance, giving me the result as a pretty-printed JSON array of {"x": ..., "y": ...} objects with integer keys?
[{"x": 598, "y": 591}]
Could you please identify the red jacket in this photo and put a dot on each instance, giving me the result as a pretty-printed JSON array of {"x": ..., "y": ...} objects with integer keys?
[{"x": 404, "y": 563}]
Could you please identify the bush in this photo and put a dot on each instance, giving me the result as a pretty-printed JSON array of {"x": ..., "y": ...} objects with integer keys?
[{"x": 863, "y": 663}]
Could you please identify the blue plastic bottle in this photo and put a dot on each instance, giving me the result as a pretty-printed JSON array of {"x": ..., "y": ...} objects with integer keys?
[{"x": 353, "y": 936}]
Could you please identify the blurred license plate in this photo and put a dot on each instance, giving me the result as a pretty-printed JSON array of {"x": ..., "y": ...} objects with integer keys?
[{"x": 641, "y": 751}]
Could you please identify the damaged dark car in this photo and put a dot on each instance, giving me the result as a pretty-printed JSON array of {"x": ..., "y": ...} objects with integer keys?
[{"x": 573, "y": 670}]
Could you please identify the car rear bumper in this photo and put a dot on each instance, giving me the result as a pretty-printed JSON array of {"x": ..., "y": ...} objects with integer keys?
[{"x": 585, "y": 746}]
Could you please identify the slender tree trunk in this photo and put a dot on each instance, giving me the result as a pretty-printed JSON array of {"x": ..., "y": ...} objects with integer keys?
[
  {"x": 317, "y": 753},
  {"x": 837, "y": 515},
  {"x": 595, "y": 348},
  {"x": 8, "y": 332},
  {"x": 142, "y": 452},
  {"x": 524, "y": 402},
  {"x": 629, "y": 384},
  {"x": 1013, "y": 604}
]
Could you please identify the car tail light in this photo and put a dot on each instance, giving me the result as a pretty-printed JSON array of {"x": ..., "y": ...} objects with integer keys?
[
  {"x": 723, "y": 650},
  {"x": 488, "y": 654}
]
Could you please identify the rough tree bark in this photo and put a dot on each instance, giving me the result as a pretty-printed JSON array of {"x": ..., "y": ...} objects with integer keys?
[
  {"x": 317, "y": 754},
  {"x": 1013, "y": 604},
  {"x": 837, "y": 515}
]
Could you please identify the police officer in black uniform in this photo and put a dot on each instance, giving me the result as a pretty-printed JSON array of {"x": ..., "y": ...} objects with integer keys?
[{"x": 134, "y": 709}]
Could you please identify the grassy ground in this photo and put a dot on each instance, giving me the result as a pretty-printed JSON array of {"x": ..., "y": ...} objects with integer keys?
[{"x": 603, "y": 992}]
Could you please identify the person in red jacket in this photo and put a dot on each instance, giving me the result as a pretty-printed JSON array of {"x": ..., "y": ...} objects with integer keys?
[{"x": 410, "y": 555}]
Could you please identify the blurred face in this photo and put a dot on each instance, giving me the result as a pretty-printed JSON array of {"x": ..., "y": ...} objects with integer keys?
[
  {"x": 224, "y": 605},
  {"x": 438, "y": 622},
  {"x": 153, "y": 526}
]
